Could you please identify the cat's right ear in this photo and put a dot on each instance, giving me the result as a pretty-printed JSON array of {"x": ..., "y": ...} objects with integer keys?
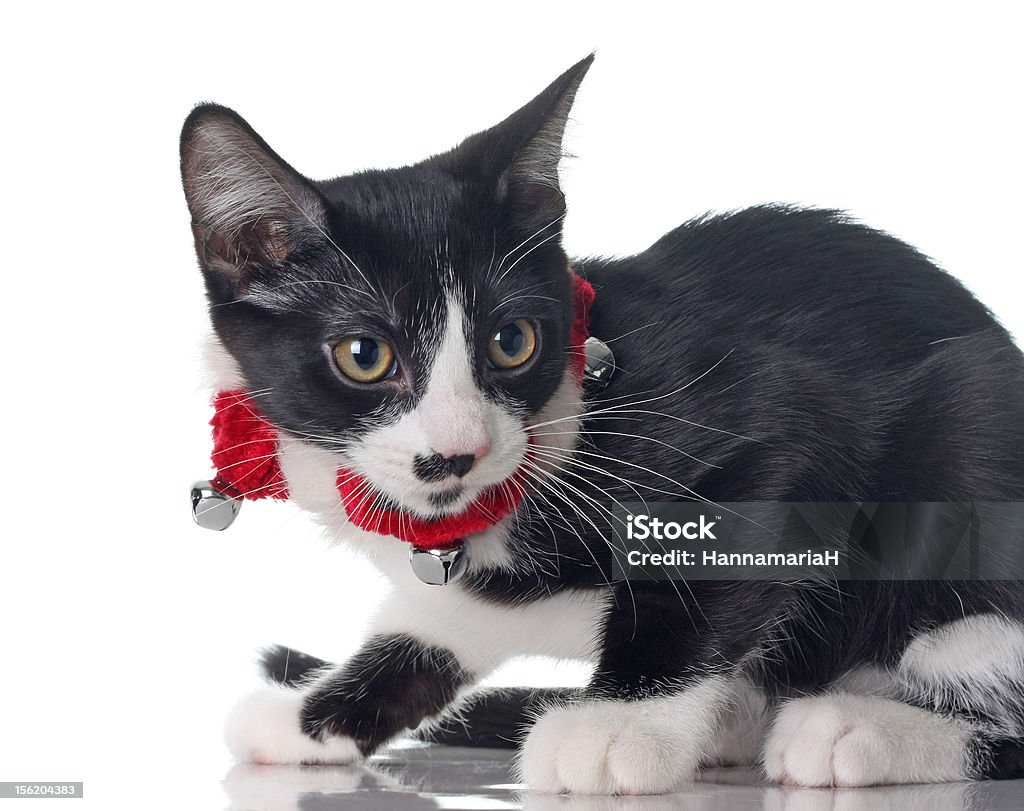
[
  {"x": 249, "y": 208},
  {"x": 519, "y": 157}
]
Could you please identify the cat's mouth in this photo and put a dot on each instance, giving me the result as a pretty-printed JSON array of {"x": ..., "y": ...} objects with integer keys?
[
  {"x": 429, "y": 527},
  {"x": 435, "y": 505},
  {"x": 439, "y": 505},
  {"x": 446, "y": 502},
  {"x": 392, "y": 492},
  {"x": 446, "y": 498},
  {"x": 398, "y": 487}
]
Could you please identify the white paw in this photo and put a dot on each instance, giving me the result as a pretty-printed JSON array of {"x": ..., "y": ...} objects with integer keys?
[
  {"x": 607, "y": 747},
  {"x": 264, "y": 727},
  {"x": 847, "y": 740}
]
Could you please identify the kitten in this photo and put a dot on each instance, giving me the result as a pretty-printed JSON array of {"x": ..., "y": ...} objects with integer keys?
[{"x": 414, "y": 326}]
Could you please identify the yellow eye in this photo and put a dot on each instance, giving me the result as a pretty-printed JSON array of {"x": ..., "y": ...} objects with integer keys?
[
  {"x": 365, "y": 360},
  {"x": 513, "y": 344}
]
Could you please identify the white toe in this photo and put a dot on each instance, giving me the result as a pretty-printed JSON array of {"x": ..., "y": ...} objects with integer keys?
[
  {"x": 847, "y": 740},
  {"x": 265, "y": 727},
  {"x": 621, "y": 747}
]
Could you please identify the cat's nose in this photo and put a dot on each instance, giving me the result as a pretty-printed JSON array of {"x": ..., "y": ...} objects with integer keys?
[
  {"x": 439, "y": 466},
  {"x": 461, "y": 464}
]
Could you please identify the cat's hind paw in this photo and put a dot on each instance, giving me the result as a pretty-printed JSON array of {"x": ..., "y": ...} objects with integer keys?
[
  {"x": 264, "y": 727},
  {"x": 847, "y": 740},
  {"x": 606, "y": 747}
]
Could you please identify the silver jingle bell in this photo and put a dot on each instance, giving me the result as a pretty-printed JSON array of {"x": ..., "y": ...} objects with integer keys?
[
  {"x": 212, "y": 509},
  {"x": 599, "y": 364},
  {"x": 439, "y": 567}
]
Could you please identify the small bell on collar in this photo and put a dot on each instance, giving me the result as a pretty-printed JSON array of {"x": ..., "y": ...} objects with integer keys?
[
  {"x": 598, "y": 365},
  {"x": 213, "y": 508},
  {"x": 439, "y": 567}
]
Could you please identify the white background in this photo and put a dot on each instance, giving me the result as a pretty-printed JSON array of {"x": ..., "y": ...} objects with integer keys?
[{"x": 127, "y": 630}]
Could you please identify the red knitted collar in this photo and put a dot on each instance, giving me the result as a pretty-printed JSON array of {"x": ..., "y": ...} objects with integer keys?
[{"x": 245, "y": 454}]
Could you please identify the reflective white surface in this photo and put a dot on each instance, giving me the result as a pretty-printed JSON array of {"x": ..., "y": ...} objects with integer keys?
[{"x": 438, "y": 777}]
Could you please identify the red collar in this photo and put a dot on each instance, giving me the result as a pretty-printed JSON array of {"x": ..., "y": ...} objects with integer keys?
[{"x": 245, "y": 454}]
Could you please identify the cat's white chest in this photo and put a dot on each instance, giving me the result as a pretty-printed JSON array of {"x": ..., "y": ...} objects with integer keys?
[{"x": 485, "y": 634}]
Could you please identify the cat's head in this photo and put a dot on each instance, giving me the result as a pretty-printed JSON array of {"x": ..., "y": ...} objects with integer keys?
[{"x": 414, "y": 322}]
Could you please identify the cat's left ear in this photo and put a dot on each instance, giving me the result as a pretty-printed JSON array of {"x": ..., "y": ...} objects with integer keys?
[
  {"x": 520, "y": 156},
  {"x": 249, "y": 208}
]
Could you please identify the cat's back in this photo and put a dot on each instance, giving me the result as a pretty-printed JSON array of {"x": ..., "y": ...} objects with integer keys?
[
  {"x": 874, "y": 373},
  {"x": 792, "y": 276}
]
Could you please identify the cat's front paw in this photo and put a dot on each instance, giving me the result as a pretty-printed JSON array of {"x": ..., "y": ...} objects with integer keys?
[
  {"x": 847, "y": 740},
  {"x": 266, "y": 727},
  {"x": 606, "y": 747}
]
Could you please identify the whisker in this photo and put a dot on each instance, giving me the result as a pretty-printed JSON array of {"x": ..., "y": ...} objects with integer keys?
[
  {"x": 527, "y": 253},
  {"x": 607, "y": 494},
  {"x": 633, "y": 436},
  {"x": 524, "y": 242},
  {"x": 653, "y": 399},
  {"x": 546, "y": 482},
  {"x": 689, "y": 491}
]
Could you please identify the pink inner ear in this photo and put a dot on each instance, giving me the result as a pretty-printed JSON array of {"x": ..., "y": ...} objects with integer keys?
[{"x": 245, "y": 454}]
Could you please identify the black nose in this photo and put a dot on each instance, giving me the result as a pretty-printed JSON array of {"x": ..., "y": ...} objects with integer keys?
[
  {"x": 461, "y": 464},
  {"x": 436, "y": 467}
]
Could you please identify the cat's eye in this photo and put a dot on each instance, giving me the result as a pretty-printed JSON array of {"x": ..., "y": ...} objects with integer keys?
[
  {"x": 365, "y": 360},
  {"x": 513, "y": 344}
]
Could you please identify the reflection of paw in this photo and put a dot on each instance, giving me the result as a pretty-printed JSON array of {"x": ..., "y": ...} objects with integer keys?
[
  {"x": 892, "y": 798},
  {"x": 607, "y": 747},
  {"x": 563, "y": 802},
  {"x": 847, "y": 740},
  {"x": 282, "y": 788},
  {"x": 264, "y": 727}
]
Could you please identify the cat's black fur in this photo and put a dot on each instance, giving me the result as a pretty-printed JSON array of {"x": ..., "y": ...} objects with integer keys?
[{"x": 774, "y": 353}]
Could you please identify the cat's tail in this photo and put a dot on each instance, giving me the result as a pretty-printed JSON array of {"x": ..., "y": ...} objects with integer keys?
[
  {"x": 497, "y": 717},
  {"x": 494, "y": 717},
  {"x": 288, "y": 666}
]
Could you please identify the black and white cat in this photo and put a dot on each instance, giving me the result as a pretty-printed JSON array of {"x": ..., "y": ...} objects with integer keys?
[{"x": 413, "y": 325}]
